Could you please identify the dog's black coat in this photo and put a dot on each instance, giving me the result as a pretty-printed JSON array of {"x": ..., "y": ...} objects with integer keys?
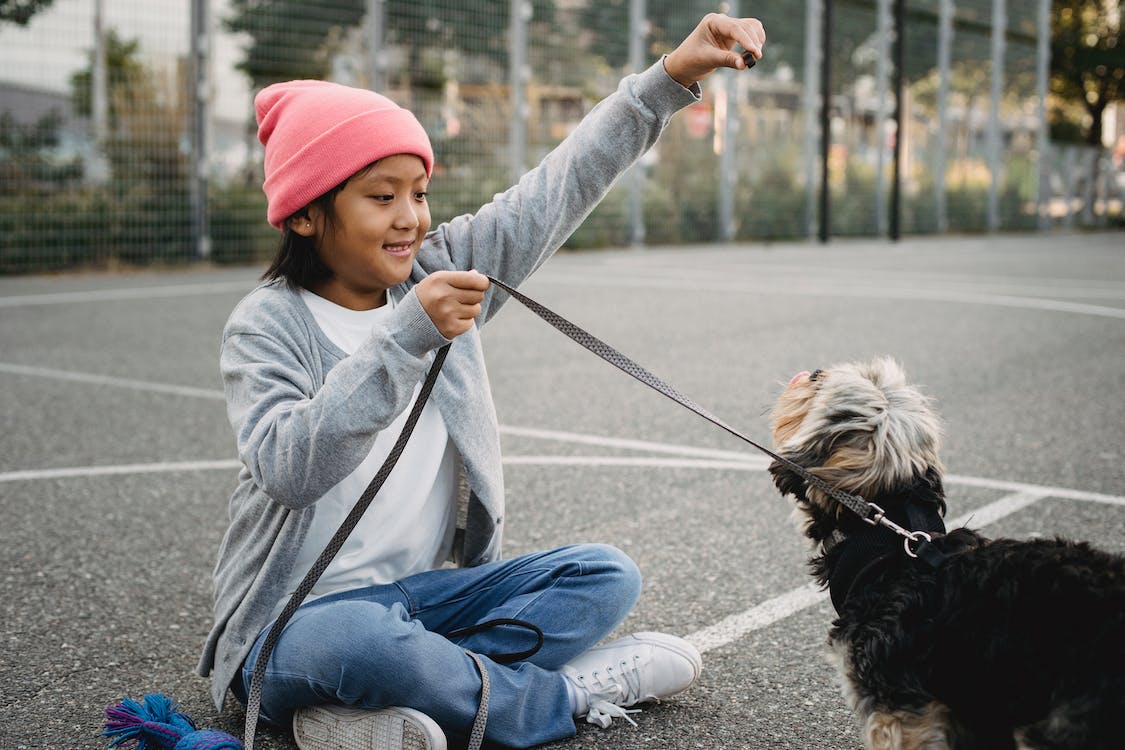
[
  {"x": 999, "y": 644},
  {"x": 1009, "y": 635}
]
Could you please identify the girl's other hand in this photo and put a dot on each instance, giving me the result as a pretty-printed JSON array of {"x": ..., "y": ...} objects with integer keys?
[
  {"x": 710, "y": 46},
  {"x": 452, "y": 299}
]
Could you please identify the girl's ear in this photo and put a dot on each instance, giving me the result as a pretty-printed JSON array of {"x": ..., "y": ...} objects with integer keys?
[{"x": 302, "y": 224}]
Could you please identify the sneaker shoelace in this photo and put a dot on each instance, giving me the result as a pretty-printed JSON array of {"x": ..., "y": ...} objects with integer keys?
[{"x": 610, "y": 694}]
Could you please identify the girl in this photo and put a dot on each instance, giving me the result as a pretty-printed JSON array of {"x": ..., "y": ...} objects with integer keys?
[{"x": 321, "y": 364}]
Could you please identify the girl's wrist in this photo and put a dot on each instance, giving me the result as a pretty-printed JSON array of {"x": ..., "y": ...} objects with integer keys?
[{"x": 676, "y": 74}]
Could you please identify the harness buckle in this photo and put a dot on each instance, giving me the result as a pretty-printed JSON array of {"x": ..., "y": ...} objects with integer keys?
[{"x": 915, "y": 536}]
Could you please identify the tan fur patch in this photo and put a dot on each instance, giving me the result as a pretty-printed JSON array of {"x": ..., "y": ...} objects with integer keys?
[{"x": 900, "y": 730}]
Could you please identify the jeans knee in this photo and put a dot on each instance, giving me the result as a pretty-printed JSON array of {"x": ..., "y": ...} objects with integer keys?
[{"x": 617, "y": 573}]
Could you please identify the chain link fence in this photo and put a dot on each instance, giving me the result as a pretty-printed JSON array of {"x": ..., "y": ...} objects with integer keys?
[{"x": 127, "y": 133}]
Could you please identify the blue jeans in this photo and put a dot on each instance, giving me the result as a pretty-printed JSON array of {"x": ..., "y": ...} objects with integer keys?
[{"x": 386, "y": 645}]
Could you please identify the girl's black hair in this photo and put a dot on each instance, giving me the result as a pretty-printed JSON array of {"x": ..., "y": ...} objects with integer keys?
[{"x": 298, "y": 258}]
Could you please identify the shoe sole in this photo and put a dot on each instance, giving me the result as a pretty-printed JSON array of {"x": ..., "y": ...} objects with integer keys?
[{"x": 341, "y": 728}]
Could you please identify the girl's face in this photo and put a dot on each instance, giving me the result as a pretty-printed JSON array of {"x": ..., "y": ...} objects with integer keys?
[{"x": 381, "y": 217}]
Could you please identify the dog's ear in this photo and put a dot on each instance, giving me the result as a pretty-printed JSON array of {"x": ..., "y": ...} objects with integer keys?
[
  {"x": 789, "y": 482},
  {"x": 929, "y": 488}
]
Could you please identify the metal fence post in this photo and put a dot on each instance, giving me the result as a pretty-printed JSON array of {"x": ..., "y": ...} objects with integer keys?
[
  {"x": 900, "y": 120},
  {"x": 825, "y": 118},
  {"x": 637, "y": 33},
  {"x": 882, "y": 66},
  {"x": 945, "y": 54},
  {"x": 518, "y": 76},
  {"x": 728, "y": 168},
  {"x": 200, "y": 46},
  {"x": 999, "y": 26},
  {"x": 1042, "y": 71},
  {"x": 376, "y": 41},
  {"x": 809, "y": 110},
  {"x": 97, "y": 170}
]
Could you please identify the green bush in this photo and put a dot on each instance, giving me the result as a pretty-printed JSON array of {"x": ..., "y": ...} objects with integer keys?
[{"x": 238, "y": 228}]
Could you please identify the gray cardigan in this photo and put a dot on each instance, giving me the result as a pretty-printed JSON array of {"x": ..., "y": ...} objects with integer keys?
[{"x": 305, "y": 415}]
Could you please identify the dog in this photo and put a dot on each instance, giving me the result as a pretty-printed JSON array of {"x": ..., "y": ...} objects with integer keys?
[{"x": 979, "y": 643}]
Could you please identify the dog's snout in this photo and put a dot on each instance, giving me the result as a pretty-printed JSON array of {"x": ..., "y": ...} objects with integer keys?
[{"x": 815, "y": 375}]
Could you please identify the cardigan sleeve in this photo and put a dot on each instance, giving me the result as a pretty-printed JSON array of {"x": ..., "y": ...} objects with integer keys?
[{"x": 520, "y": 228}]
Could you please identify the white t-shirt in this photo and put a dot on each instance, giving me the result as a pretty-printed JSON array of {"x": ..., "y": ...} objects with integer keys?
[{"x": 409, "y": 526}]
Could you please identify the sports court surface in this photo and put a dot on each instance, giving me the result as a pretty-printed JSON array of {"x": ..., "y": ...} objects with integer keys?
[{"x": 116, "y": 460}]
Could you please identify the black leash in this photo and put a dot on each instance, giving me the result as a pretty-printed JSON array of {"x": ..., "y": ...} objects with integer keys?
[
  {"x": 869, "y": 512},
  {"x": 254, "y": 697}
]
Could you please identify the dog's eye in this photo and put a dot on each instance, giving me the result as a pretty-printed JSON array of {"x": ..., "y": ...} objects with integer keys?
[{"x": 815, "y": 375}]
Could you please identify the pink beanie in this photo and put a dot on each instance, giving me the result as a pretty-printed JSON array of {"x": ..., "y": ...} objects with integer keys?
[{"x": 318, "y": 134}]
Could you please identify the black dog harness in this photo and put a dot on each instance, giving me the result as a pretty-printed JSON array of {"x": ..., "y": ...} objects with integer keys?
[{"x": 865, "y": 553}]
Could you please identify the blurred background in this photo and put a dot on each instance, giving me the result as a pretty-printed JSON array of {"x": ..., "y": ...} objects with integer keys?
[{"x": 127, "y": 134}]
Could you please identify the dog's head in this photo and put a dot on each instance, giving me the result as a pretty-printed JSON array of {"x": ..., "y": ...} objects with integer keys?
[{"x": 862, "y": 429}]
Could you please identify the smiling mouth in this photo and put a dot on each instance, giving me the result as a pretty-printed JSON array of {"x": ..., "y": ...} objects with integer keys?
[
  {"x": 798, "y": 376},
  {"x": 399, "y": 248}
]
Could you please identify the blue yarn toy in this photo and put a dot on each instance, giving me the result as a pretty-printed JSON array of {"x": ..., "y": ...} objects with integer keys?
[{"x": 158, "y": 724}]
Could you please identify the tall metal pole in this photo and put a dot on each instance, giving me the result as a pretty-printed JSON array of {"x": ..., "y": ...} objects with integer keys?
[
  {"x": 728, "y": 167},
  {"x": 200, "y": 223},
  {"x": 97, "y": 165},
  {"x": 518, "y": 77},
  {"x": 376, "y": 45},
  {"x": 825, "y": 115},
  {"x": 809, "y": 109},
  {"x": 1042, "y": 71},
  {"x": 637, "y": 34},
  {"x": 900, "y": 131},
  {"x": 882, "y": 73},
  {"x": 945, "y": 55},
  {"x": 999, "y": 26}
]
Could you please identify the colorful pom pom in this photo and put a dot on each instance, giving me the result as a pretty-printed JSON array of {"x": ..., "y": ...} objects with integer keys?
[{"x": 158, "y": 724}]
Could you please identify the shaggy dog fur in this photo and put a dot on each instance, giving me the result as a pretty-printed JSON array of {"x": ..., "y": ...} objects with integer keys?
[{"x": 1004, "y": 644}]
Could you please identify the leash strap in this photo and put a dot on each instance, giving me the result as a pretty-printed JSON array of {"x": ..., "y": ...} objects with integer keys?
[
  {"x": 476, "y": 734},
  {"x": 869, "y": 512},
  {"x": 254, "y": 698}
]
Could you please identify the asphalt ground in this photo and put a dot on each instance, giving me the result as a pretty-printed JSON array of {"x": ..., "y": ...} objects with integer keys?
[{"x": 116, "y": 459}]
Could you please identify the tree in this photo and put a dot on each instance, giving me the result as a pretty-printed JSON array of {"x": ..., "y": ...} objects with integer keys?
[
  {"x": 20, "y": 11},
  {"x": 26, "y": 162},
  {"x": 291, "y": 38},
  {"x": 123, "y": 71},
  {"x": 287, "y": 36},
  {"x": 1088, "y": 58}
]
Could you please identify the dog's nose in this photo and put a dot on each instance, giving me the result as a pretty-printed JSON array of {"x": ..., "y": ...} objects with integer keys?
[{"x": 798, "y": 376}]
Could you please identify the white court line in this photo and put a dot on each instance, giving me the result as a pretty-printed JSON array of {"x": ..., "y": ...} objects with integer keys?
[
  {"x": 146, "y": 292},
  {"x": 70, "y": 472},
  {"x": 636, "y": 461},
  {"x": 1017, "y": 487},
  {"x": 136, "y": 385},
  {"x": 838, "y": 290},
  {"x": 641, "y": 445}
]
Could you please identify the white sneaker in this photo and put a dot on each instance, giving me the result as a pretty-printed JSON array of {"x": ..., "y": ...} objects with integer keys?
[
  {"x": 340, "y": 728},
  {"x": 639, "y": 667}
]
